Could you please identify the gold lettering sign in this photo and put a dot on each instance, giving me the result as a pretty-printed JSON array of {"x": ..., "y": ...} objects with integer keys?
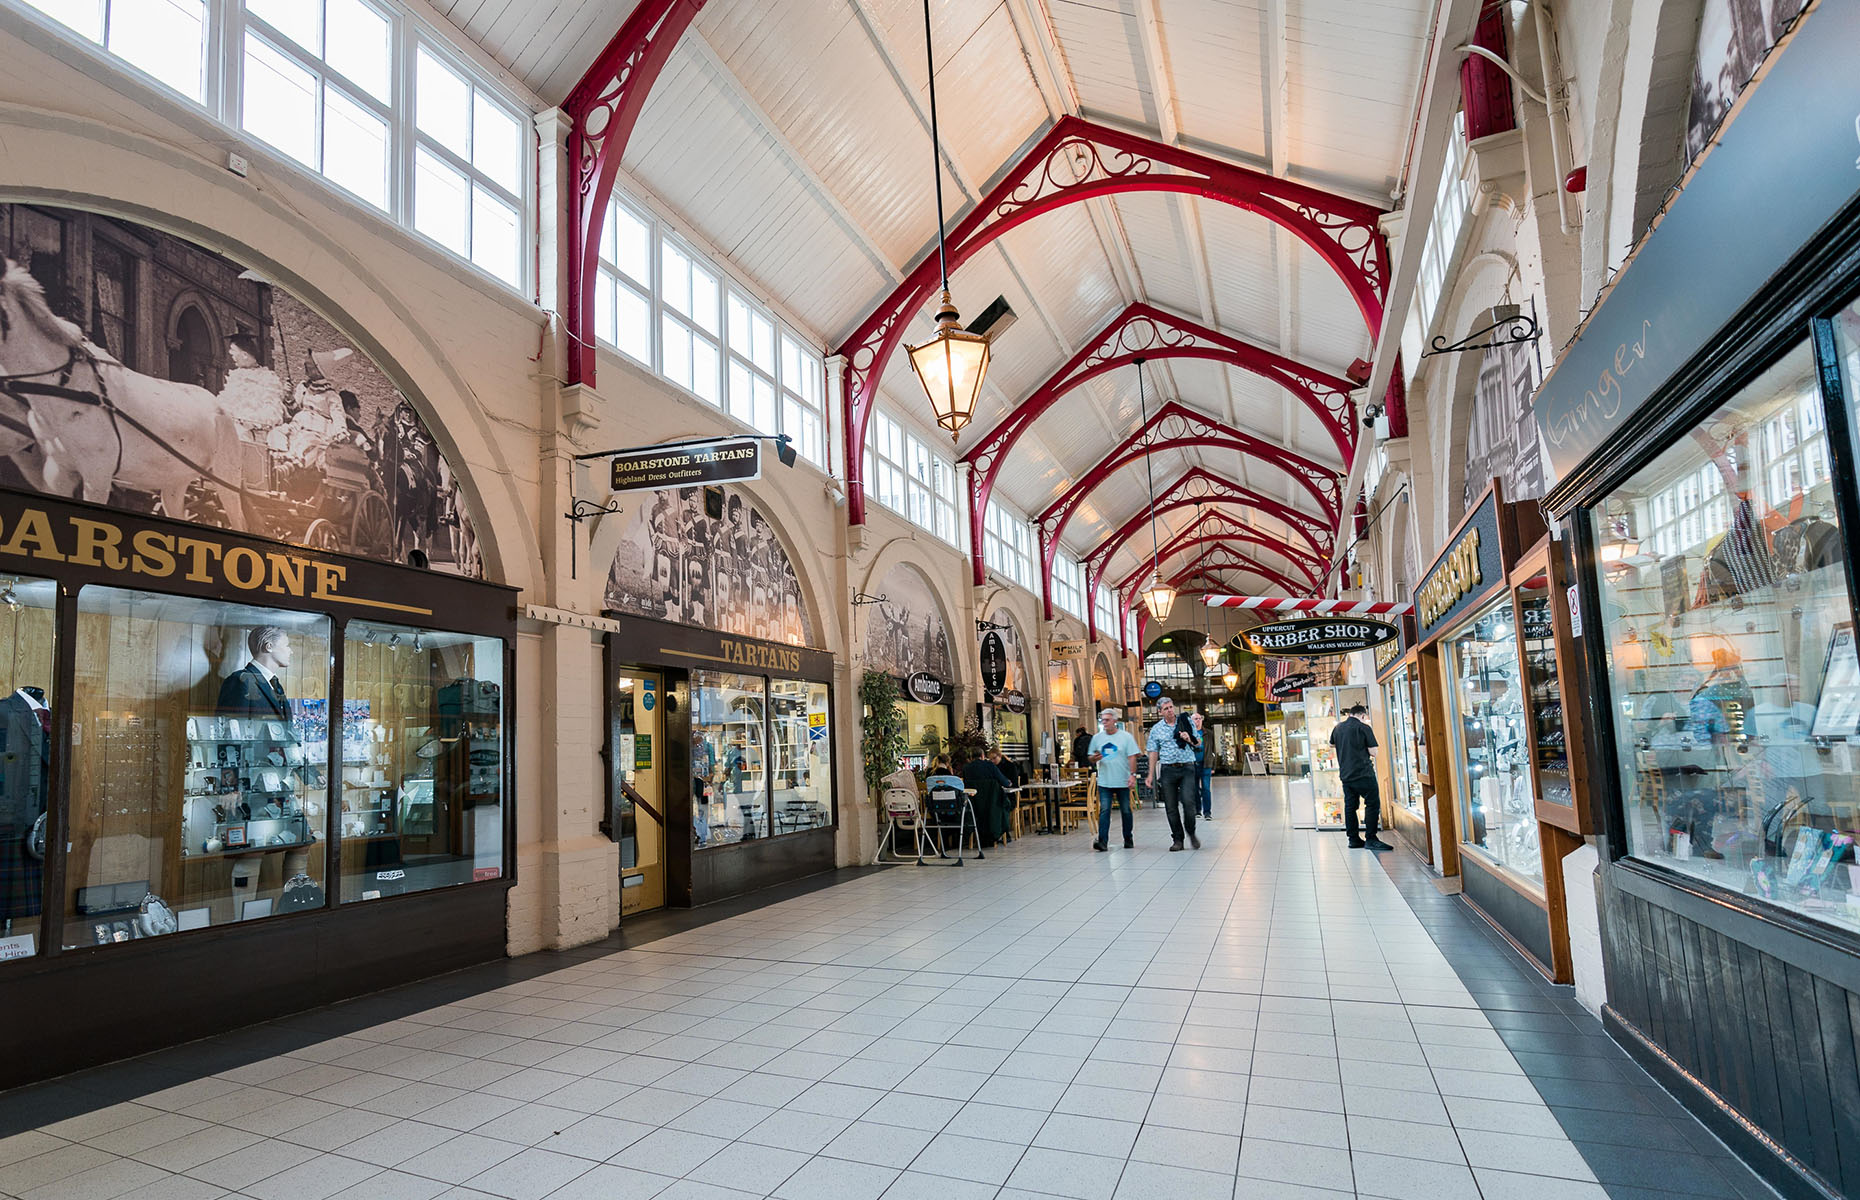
[
  {"x": 759, "y": 655},
  {"x": 1457, "y": 575},
  {"x": 101, "y": 544},
  {"x": 1386, "y": 653}
]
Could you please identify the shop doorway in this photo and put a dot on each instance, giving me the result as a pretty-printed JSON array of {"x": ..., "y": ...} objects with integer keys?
[{"x": 639, "y": 773}]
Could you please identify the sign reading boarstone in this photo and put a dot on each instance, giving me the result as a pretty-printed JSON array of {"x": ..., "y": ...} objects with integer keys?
[
  {"x": 720, "y": 462},
  {"x": 1302, "y": 637}
]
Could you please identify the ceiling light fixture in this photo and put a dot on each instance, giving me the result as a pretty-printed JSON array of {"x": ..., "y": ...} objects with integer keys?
[
  {"x": 953, "y": 363},
  {"x": 1159, "y": 596}
]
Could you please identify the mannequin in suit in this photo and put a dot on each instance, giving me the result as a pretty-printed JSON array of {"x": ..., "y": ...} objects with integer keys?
[
  {"x": 256, "y": 690},
  {"x": 25, "y": 769}
]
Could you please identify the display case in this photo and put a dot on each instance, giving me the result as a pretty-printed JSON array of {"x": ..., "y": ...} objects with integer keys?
[
  {"x": 1493, "y": 740},
  {"x": 1399, "y": 698},
  {"x": 1299, "y": 793},
  {"x": 1549, "y": 733},
  {"x": 1272, "y": 745},
  {"x": 1324, "y": 707}
]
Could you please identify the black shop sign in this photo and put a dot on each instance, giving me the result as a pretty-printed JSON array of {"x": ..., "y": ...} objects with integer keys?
[
  {"x": 924, "y": 688},
  {"x": 734, "y": 461},
  {"x": 1304, "y": 637},
  {"x": 1291, "y": 685},
  {"x": 1473, "y": 562},
  {"x": 994, "y": 662}
]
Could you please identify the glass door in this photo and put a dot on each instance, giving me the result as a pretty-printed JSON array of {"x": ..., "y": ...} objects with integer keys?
[{"x": 639, "y": 750}]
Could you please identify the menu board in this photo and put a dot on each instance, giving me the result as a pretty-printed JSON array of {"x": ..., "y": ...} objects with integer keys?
[{"x": 1837, "y": 712}]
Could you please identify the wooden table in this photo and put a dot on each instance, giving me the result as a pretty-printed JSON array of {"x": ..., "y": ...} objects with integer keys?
[{"x": 1052, "y": 792}]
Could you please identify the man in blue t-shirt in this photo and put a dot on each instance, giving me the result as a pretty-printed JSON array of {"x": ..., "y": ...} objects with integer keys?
[{"x": 1114, "y": 752}]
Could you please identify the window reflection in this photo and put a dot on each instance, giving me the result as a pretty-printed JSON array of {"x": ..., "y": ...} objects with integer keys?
[
  {"x": 28, "y": 713},
  {"x": 729, "y": 801},
  {"x": 198, "y": 785},
  {"x": 1732, "y": 649},
  {"x": 422, "y": 760},
  {"x": 1492, "y": 735}
]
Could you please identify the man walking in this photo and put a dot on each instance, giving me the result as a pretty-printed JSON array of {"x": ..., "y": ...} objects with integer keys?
[
  {"x": 1081, "y": 748},
  {"x": 1172, "y": 746},
  {"x": 1204, "y": 769},
  {"x": 1114, "y": 752},
  {"x": 1356, "y": 768}
]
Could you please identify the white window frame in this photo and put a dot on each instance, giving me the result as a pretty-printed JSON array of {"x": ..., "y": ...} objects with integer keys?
[
  {"x": 798, "y": 386},
  {"x": 1009, "y": 545},
  {"x": 1069, "y": 585},
  {"x": 1104, "y": 610},
  {"x": 222, "y": 93},
  {"x": 905, "y": 473}
]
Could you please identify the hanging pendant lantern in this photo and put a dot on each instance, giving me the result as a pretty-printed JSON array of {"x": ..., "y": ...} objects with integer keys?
[
  {"x": 1231, "y": 677},
  {"x": 951, "y": 367},
  {"x": 1160, "y": 598},
  {"x": 1210, "y": 655},
  {"x": 952, "y": 364}
]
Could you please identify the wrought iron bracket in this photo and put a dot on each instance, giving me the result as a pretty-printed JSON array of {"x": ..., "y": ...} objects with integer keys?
[
  {"x": 579, "y": 511},
  {"x": 1518, "y": 326}
]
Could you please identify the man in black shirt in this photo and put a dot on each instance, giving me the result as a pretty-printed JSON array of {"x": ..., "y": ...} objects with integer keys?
[{"x": 1356, "y": 768}]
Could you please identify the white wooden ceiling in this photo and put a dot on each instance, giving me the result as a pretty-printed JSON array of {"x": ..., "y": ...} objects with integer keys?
[{"x": 793, "y": 135}]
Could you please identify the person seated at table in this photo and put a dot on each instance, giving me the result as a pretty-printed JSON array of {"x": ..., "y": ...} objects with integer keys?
[
  {"x": 991, "y": 796},
  {"x": 939, "y": 765},
  {"x": 1013, "y": 772}
]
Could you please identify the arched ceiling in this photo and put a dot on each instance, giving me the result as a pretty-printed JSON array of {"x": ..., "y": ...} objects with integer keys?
[{"x": 793, "y": 136}]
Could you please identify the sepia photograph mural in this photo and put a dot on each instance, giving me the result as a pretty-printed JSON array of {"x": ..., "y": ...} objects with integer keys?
[
  {"x": 184, "y": 385},
  {"x": 1734, "y": 35},
  {"x": 677, "y": 563},
  {"x": 905, "y": 634}
]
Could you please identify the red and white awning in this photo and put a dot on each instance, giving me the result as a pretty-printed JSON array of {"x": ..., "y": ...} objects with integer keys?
[{"x": 1283, "y": 604}]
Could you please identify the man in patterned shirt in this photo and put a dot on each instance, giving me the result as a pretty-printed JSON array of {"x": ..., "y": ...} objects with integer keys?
[{"x": 1174, "y": 749}]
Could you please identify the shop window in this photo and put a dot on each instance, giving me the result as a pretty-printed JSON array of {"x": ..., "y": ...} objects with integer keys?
[
  {"x": 801, "y": 741},
  {"x": 317, "y": 87},
  {"x": 199, "y": 765},
  {"x": 167, "y": 39},
  {"x": 1492, "y": 738},
  {"x": 1731, "y": 646},
  {"x": 422, "y": 760},
  {"x": 729, "y": 781},
  {"x": 28, "y": 714}
]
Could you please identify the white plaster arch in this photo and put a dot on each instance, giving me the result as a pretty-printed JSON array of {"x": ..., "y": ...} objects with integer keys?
[
  {"x": 902, "y": 552},
  {"x": 56, "y": 158},
  {"x": 1483, "y": 281},
  {"x": 824, "y": 616}
]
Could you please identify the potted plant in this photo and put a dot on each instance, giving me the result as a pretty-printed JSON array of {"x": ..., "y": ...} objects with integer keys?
[{"x": 883, "y": 740}]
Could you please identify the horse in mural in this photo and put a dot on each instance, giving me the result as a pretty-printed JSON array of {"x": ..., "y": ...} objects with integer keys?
[{"x": 95, "y": 423}]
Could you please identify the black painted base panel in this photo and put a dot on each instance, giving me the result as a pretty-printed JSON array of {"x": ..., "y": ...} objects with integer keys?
[
  {"x": 723, "y": 872},
  {"x": 1778, "y": 1168},
  {"x": 88, "y": 1007},
  {"x": 1503, "y": 905}
]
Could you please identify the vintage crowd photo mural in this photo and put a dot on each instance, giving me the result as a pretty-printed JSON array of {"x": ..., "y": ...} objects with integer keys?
[
  {"x": 1734, "y": 35},
  {"x": 677, "y": 563},
  {"x": 158, "y": 377},
  {"x": 905, "y": 634}
]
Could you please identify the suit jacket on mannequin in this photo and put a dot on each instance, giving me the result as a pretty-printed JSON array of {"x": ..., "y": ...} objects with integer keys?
[
  {"x": 25, "y": 774},
  {"x": 247, "y": 692}
]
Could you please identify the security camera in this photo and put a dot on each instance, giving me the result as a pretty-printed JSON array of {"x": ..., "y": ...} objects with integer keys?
[{"x": 835, "y": 492}]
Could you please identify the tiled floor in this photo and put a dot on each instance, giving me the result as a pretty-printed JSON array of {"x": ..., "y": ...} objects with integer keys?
[{"x": 1264, "y": 1018}]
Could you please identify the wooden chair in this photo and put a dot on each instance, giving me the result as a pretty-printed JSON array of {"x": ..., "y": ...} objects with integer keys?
[{"x": 1080, "y": 804}]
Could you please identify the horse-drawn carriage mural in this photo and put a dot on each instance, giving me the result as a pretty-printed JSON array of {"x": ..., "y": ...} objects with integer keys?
[{"x": 142, "y": 371}]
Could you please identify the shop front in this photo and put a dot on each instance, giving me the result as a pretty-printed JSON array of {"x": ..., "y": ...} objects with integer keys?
[
  {"x": 1492, "y": 707},
  {"x": 1711, "y": 505},
  {"x": 250, "y": 765},
  {"x": 1408, "y": 802},
  {"x": 1004, "y": 711},
  {"x": 225, "y": 756},
  {"x": 719, "y": 716},
  {"x": 905, "y": 637}
]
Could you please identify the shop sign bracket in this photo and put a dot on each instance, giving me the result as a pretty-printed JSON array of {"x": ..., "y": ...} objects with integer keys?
[{"x": 1510, "y": 324}]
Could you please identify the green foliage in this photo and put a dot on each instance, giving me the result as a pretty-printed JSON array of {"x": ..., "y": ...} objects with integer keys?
[
  {"x": 970, "y": 742},
  {"x": 884, "y": 739}
]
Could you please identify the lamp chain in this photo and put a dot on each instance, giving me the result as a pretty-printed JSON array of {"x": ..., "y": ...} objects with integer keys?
[
  {"x": 936, "y": 151},
  {"x": 1149, "y": 475}
]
